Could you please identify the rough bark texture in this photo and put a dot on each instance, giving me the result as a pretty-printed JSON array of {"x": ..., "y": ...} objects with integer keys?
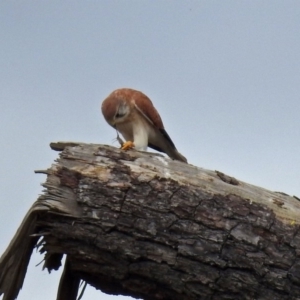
[{"x": 139, "y": 224}]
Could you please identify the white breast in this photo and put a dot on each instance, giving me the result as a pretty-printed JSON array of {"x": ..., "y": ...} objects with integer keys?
[{"x": 141, "y": 132}]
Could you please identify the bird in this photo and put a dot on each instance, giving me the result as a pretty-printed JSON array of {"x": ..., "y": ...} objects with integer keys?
[{"x": 133, "y": 115}]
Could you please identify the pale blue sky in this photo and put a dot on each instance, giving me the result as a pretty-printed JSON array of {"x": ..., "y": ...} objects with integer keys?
[{"x": 224, "y": 76}]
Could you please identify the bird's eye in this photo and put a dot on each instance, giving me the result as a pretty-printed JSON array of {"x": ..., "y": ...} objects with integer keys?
[
  {"x": 119, "y": 115},
  {"x": 121, "y": 112}
]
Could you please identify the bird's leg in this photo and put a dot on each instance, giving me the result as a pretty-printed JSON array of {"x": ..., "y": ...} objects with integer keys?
[
  {"x": 124, "y": 145},
  {"x": 127, "y": 145}
]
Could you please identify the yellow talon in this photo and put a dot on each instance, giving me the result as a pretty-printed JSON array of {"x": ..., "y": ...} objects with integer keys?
[{"x": 127, "y": 145}]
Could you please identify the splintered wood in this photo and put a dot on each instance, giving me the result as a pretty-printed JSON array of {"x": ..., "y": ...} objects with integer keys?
[{"x": 140, "y": 224}]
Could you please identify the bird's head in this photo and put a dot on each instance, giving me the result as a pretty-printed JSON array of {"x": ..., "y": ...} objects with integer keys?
[{"x": 115, "y": 108}]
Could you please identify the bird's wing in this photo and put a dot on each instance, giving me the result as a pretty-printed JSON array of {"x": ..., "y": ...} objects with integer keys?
[
  {"x": 161, "y": 140},
  {"x": 145, "y": 107}
]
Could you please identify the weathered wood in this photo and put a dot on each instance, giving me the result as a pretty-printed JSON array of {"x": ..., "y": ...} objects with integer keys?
[
  {"x": 140, "y": 224},
  {"x": 69, "y": 284}
]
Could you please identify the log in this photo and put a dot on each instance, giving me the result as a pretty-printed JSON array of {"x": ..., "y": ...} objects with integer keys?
[{"x": 139, "y": 224}]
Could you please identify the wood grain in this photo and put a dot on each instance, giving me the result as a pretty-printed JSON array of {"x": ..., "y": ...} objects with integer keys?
[{"x": 140, "y": 224}]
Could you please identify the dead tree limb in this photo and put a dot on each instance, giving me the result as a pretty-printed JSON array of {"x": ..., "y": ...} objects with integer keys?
[{"x": 140, "y": 224}]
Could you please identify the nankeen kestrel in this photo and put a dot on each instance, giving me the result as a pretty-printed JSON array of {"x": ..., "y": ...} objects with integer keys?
[{"x": 132, "y": 114}]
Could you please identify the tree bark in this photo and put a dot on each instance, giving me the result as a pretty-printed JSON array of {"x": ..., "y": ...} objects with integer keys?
[{"x": 140, "y": 224}]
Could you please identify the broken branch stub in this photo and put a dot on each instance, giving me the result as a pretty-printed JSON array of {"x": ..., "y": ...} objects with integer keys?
[{"x": 140, "y": 224}]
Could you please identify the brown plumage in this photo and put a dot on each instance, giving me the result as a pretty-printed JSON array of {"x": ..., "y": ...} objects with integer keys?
[{"x": 132, "y": 114}]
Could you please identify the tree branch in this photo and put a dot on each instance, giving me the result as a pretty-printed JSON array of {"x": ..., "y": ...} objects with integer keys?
[{"x": 140, "y": 224}]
